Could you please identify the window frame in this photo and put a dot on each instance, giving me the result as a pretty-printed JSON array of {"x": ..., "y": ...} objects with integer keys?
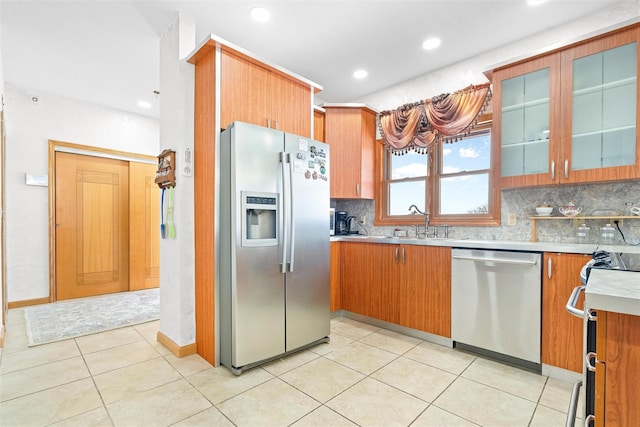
[{"x": 432, "y": 196}]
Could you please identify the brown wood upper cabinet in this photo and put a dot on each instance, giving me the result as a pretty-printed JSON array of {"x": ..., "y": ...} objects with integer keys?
[
  {"x": 350, "y": 131},
  {"x": 570, "y": 116},
  {"x": 318, "y": 124},
  {"x": 254, "y": 94}
]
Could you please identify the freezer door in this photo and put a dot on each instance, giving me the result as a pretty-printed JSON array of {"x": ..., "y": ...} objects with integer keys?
[
  {"x": 307, "y": 277},
  {"x": 256, "y": 284}
]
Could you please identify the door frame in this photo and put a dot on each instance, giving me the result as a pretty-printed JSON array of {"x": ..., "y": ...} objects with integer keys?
[{"x": 86, "y": 150}]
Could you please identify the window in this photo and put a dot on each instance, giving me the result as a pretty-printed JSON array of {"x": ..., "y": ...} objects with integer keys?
[
  {"x": 458, "y": 192},
  {"x": 464, "y": 175},
  {"x": 407, "y": 182}
]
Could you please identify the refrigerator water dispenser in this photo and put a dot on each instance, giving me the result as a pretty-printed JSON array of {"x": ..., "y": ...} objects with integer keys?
[{"x": 259, "y": 219}]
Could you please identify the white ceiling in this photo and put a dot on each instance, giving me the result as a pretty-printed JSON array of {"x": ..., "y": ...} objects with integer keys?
[{"x": 106, "y": 52}]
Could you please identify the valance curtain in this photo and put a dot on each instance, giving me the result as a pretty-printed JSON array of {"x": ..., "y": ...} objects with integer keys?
[{"x": 444, "y": 118}]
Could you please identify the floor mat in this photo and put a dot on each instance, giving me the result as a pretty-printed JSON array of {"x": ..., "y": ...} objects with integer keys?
[{"x": 83, "y": 316}]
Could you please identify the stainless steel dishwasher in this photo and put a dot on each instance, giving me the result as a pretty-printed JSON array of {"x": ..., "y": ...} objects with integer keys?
[{"x": 495, "y": 303}]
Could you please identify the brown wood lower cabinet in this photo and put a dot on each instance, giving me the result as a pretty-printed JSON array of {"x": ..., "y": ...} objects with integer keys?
[
  {"x": 617, "y": 369},
  {"x": 408, "y": 285},
  {"x": 425, "y": 293},
  {"x": 334, "y": 277},
  {"x": 562, "y": 333}
]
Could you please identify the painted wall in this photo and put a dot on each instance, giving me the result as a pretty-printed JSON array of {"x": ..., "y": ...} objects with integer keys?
[
  {"x": 30, "y": 125},
  {"x": 2, "y": 282},
  {"x": 177, "y": 265}
]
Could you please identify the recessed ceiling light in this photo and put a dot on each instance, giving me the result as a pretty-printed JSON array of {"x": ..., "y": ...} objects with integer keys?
[
  {"x": 535, "y": 2},
  {"x": 260, "y": 14},
  {"x": 360, "y": 74},
  {"x": 144, "y": 104},
  {"x": 431, "y": 43}
]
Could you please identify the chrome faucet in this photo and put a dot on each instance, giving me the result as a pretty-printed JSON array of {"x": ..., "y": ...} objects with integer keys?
[{"x": 414, "y": 210}]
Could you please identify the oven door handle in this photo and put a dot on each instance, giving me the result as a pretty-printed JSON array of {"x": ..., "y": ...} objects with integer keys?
[
  {"x": 573, "y": 405},
  {"x": 573, "y": 300}
]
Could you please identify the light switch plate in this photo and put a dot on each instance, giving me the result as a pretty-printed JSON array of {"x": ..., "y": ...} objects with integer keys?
[
  {"x": 38, "y": 180},
  {"x": 511, "y": 218}
]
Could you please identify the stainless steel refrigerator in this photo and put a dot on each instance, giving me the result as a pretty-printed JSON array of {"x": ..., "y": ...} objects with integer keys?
[{"x": 273, "y": 246}]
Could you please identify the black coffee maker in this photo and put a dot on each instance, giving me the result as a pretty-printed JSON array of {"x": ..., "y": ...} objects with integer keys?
[{"x": 342, "y": 224}]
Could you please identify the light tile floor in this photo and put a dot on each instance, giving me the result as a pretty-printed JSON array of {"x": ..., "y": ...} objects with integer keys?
[{"x": 365, "y": 376}]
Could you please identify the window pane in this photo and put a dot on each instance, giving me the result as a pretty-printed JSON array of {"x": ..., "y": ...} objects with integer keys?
[
  {"x": 464, "y": 194},
  {"x": 409, "y": 165},
  {"x": 470, "y": 154},
  {"x": 404, "y": 194}
]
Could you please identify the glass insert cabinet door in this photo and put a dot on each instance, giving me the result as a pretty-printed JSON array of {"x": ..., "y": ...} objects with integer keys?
[
  {"x": 526, "y": 118},
  {"x": 599, "y": 112},
  {"x": 604, "y": 109},
  {"x": 525, "y": 124}
]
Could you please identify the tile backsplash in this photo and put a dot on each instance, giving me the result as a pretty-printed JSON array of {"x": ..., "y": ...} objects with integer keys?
[{"x": 522, "y": 203}]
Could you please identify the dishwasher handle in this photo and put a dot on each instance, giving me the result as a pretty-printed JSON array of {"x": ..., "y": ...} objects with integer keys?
[
  {"x": 573, "y": 300},
  {"x": 496, "y": 260}
]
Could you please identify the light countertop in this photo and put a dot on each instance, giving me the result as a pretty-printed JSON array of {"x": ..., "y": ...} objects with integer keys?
[
  {"x": 614, "y": 290},
  {"x": 576, "y": 248}
]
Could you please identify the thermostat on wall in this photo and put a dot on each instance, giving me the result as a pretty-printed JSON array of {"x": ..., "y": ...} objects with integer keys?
[
  {"x": 187, "y": 161},
  {"x": 39, "y": 180}
]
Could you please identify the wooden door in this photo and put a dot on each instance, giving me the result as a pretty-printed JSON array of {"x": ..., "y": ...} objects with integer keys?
[
  {"x": 144, "y": 227},
  {"x": 425, "y": 291},
  {"x": 92, "y": 226},
  {"x": 562, "y": 333}
]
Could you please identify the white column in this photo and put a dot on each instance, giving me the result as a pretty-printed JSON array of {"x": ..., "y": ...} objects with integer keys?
[{"x": 177, "y": 300}]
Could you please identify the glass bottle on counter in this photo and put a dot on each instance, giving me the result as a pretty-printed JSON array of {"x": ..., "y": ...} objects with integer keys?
[
  {"x": 583, "y": 233},
  {"x": 607, "y": 233}
]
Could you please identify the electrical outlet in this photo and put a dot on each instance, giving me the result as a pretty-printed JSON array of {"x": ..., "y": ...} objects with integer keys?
[
  {"x": 511, "y": 218},
  {"x": 363, "y": 220}
]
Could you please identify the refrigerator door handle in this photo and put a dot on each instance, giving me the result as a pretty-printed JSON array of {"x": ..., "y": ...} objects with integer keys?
[
  {"x": 283, "y": 163},
  {"x": 292, "y": 217}
]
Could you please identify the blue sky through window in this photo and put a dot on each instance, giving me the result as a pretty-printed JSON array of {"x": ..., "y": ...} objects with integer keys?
[{"x": 460, "y": 194}]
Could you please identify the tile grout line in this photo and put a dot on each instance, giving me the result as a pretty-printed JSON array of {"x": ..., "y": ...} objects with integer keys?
[{"x": 93, "y": 380}]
